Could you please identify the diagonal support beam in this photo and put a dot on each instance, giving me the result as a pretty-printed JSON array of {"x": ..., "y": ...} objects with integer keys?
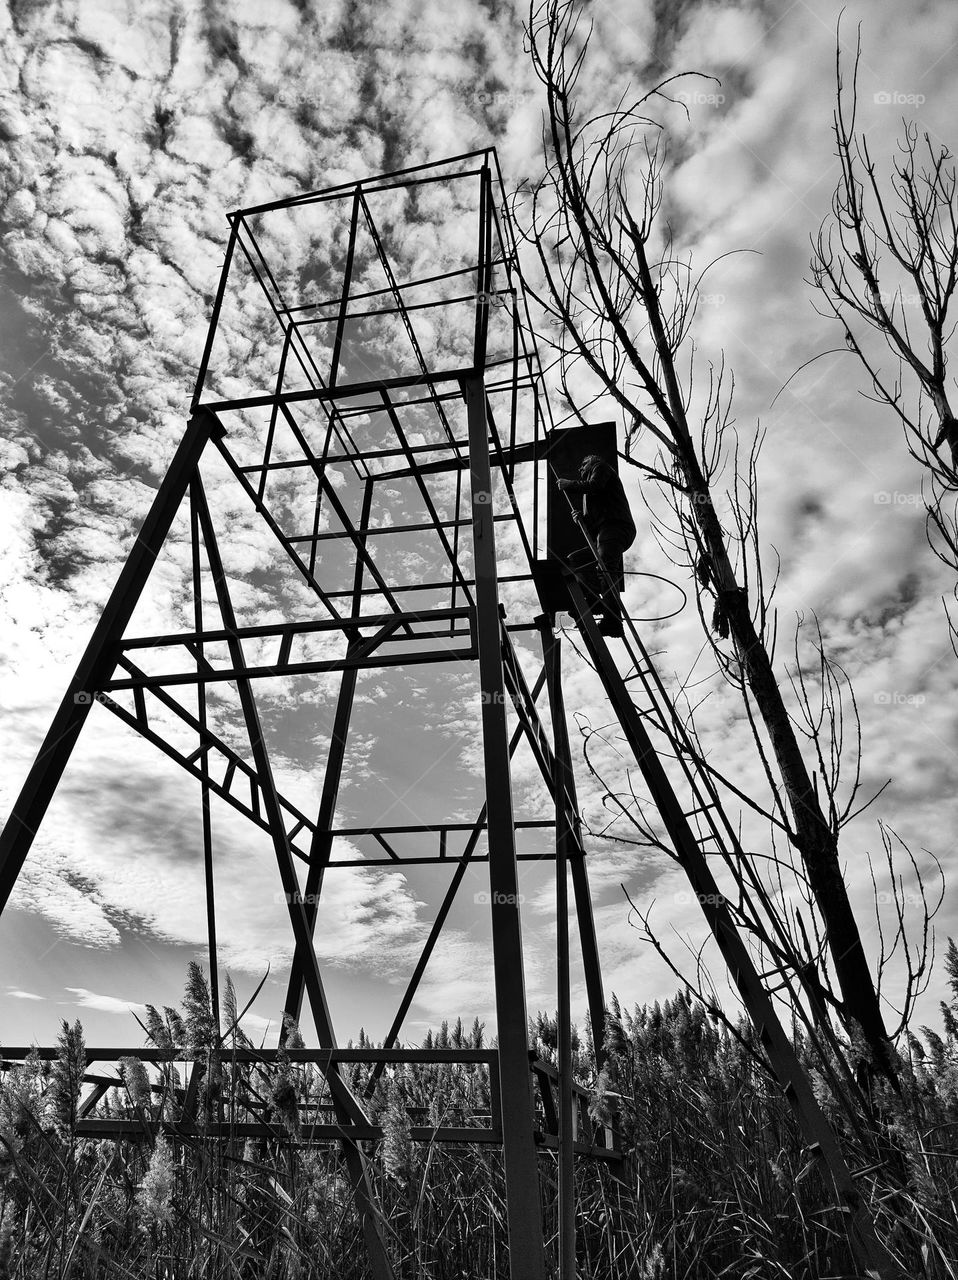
[
  {"x": 440, "y": 919},
  {"x": 321, "y": 846},
  {"x": 235, "y": 764},
  {"x": 344, "y": 295},
  {"x": 355, "y": 535},
  {"x": 401, "y": 308},
  {"x": 101, "y": 654},
  {"x": 556, "y": 769},
  {"x": 348, "y": 1109}
]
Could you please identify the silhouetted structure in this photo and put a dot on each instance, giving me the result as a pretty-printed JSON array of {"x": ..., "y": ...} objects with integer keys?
[{"x": 404, "y": 414}]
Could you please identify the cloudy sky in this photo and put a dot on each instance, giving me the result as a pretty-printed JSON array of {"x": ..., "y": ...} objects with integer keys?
[{"x": 129, "y": 131}]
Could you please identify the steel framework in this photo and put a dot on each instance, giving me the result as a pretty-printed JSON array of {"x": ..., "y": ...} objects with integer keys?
[{"x": 388, "y": 428}]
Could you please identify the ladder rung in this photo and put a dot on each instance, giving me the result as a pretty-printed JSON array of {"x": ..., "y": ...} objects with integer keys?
[
  {"x": 700, "y": 809},
  {"x": 654, "y": 715}
]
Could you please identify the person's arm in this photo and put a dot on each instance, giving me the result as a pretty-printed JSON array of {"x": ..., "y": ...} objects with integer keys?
[{"x": 598, "y": 479}]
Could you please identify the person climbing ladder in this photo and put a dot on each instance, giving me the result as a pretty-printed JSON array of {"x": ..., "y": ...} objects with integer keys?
[{"x": 608, "y": 522}]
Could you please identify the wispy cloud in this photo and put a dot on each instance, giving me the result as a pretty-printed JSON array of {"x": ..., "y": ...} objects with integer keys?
[{"x": 104, "y": 1004}]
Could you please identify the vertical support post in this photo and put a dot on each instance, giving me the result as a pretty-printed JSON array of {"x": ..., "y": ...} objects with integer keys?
[
  {"x": 526, "y": 1246},
  {"x": 483, "y": 273},
  {"x": 100, "y": 657},
  {"x": 207, "y": 817},
  {"x": 552, "y": 654}
]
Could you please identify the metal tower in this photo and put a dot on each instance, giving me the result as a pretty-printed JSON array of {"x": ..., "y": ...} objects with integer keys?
[{"x": 385, "y": 420}]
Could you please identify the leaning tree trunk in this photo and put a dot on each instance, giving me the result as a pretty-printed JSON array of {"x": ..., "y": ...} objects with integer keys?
[{"x": 812, "y": 835}]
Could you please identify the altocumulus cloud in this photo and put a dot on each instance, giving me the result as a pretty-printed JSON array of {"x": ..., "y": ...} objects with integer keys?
[{"x": 127, "y": 132}]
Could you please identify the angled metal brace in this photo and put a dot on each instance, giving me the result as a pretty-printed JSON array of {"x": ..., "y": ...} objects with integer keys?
[
  {"x": 101, "y": 654},
  {"x": 348, "y": 1109}
]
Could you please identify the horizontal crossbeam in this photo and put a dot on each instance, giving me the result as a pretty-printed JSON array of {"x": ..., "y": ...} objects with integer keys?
[
  {"x": 382, "y": 531},
  {"x": 345, "y": 663},
  {"x": 117, "y": 1128},
  {"x": 443, "y": 830},
  {"x": 389, "y": 288},
  {"x": 417, "y": 828},
  {"x": 344, "y": 391},
  {"x": 381, "y": 182},
  {"x": 431, "y": 586},
  {"x": 319, "y": 1057},
  {"x": 424, "y": 861},
  {"x": 522, "y": 453},
  {"x": 268, "y": 630}
]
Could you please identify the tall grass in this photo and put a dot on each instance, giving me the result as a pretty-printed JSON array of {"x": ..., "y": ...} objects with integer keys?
[{"x": 715, "y": 1182}]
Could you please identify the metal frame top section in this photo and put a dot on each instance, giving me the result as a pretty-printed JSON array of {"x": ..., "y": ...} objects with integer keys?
[{"x": 344, "y": 328}]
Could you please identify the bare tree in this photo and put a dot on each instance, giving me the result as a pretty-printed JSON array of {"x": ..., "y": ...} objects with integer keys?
[
  {"x": 886, "y": 264},
  {"x": 621, "y": 300}
]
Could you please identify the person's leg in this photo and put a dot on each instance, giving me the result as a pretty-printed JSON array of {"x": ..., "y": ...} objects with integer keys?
[{"x": 609, "y": 547}]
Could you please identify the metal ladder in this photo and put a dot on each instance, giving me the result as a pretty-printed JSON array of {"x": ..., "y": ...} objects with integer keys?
[{"x": 704, "y": 806}]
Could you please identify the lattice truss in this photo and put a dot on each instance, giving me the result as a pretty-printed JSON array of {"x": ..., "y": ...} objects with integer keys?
[{"x": 321, "y": 526}]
